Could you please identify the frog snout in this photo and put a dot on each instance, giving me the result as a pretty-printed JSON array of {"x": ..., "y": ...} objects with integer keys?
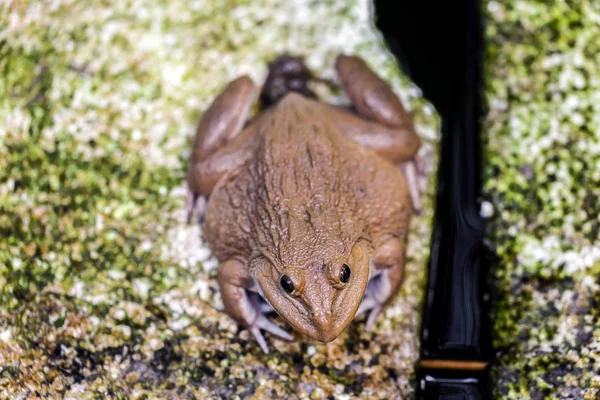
[{"x": 325, "y": 324}]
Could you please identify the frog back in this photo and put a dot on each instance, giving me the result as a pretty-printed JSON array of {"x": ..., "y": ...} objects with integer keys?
[{"x": 307, "y": 185}]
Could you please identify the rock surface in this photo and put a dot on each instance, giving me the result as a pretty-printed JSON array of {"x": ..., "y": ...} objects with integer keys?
[
  {"x": 105, "y": 292},
  {"x": 543, "y": 188}
]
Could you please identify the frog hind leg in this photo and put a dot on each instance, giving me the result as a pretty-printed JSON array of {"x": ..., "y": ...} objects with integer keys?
[
  {"x": 222, "y": 122},
  {"x": 375, "y": 100},
  {"x": 240, "y": 304},
  {"x": 388, "y": 261}
]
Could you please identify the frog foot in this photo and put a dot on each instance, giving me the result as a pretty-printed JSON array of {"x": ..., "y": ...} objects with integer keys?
[
  {"x": 375, "y": 297},
  {"x": 410, "y": 170},
  {"x": 262, "y": 322},
  {"x": 195, "y": 206},
  {"x": 374, "y": 308},
  {"x": 420, "y": 163},
  {"x": 262, "y": 308},
  {"x": 385, "y": 282}
]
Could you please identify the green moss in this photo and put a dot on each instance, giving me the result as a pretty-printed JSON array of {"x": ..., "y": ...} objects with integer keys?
[
  {"x": 542, "y": 178},
  {"x": 105, "y": 292}
]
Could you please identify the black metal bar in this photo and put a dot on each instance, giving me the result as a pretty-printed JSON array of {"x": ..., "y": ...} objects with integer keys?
[
  {"x": 440, "y": 45},
  {"x": 453, "y": 318}
]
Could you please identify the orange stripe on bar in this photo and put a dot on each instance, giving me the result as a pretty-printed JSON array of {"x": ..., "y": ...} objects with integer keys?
[{"x": 454, "y": 364}]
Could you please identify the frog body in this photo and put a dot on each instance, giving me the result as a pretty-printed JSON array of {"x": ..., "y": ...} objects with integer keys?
[{"x": 307, "y": 205}]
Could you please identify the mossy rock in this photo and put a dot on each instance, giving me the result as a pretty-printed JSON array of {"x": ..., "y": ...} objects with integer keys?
[
  {"x": 542, "y": 179},
  {"x": 105, "y": 292}
]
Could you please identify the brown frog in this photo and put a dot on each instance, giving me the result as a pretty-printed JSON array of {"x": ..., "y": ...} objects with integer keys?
[{"x": 310, "y": 203}]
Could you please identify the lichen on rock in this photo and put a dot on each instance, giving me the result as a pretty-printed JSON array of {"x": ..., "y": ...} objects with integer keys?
[
  {"x": 542, "y": 179},
  {"x": 104, "y": 290}
]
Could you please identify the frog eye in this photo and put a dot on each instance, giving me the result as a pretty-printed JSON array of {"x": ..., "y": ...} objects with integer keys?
[
  {"x": 286, "y": 283},
  {"x": 345, "y": 273}
]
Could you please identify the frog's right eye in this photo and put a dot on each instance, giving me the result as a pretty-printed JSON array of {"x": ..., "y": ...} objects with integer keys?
[
  {"x": 286, "y": 283},
  {"x": 345, "y": 273}
]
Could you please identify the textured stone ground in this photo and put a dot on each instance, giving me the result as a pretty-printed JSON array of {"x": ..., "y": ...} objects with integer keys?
[
  {"x": 104, "y": 291},
  {"x": 543, "y": 183}
]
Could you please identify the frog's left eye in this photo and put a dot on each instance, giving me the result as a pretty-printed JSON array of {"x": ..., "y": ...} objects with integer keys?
[
  {"x": 345, "y": 273},
  {"x": 286, "y": 283}
]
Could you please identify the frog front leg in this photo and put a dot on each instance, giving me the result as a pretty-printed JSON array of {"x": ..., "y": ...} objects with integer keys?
[
  {"x": 212, "y": 151},
  {"x": 390, "y": 130},
  {"x": 242, "y": 306},
  {"x": 388, "y": 262}
]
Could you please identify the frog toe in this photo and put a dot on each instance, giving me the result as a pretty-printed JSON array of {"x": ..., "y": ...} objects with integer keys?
[
  {"x": 255, "y": 331},
  {"x": 420, "y": 165},
  {"x": 195, "y": 206},
  {"x": 372, "y": 317},
  {"x": 373, "y": 307},
  {"x": 263, "y": 323},
  {"x": 410, "y": 171},
  {"x": 367, "y": 304},
  {"x": 266, "y": 308}
]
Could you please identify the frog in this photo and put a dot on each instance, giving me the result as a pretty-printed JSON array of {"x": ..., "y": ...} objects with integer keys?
[{"x": 306, "y": 205}]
